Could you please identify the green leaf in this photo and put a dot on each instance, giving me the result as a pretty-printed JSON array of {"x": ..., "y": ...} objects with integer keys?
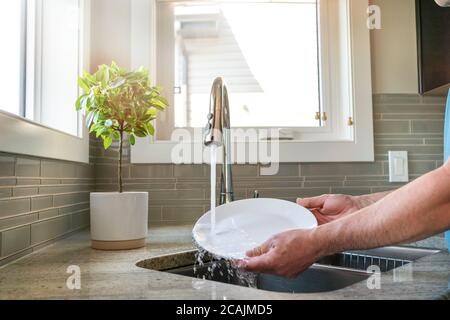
[
  {"x": 123, "y": 96},
  {"x": 80, "y": 102},
  {"x": 107, "y": 141},
  {"x": 83, "y": 85},
  {"x": 153, "y": 111},
  {"x": 140, "y": 132},
  {"x": 132, "y": 139},
  {"x": 89, "y": 78},
  {"x": 114, "y": 66},
  {"x": 89, "y": 119},
  {"x": 96, "y": 115},
  {"x": 150, "y": 129},
  {"x": 117, "y": 83},
  {"x": 159, "y": 103},
  {"x": 93, "y": 127},
  {"x": 100, "y": 131}
]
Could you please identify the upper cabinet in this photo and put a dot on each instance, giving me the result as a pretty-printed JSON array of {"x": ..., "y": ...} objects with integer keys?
[{"x": 433, "y": 43}]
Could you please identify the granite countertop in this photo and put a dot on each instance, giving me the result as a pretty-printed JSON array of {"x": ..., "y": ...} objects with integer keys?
[{"x": 115, "y": 274}]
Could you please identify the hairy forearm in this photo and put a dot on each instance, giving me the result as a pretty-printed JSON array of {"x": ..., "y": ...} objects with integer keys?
[
  {"x": 415, "y": 211},
  {"x": 368, "y": 199}
]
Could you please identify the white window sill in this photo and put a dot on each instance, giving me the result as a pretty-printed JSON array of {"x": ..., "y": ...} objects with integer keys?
[{"x": 21, "y": 136}]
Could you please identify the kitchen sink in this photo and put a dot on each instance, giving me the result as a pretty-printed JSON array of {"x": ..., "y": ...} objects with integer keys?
[
  {"x": 386, "y": 258},
  {"x": 329, "y": 273},
  {"x": 317, "y": 278}
]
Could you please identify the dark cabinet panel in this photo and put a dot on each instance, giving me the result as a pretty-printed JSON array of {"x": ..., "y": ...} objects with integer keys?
[{"x": 433, "y": 37}]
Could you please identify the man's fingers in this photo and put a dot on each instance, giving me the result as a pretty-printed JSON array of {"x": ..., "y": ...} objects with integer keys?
[
  {"x": 319, "y": 216},
  {"x": 315, "y": 202},
  {"x": 261, "y": 263},
  {"x": 259, "y": 259},
  {"x": 259, "y": 250}
]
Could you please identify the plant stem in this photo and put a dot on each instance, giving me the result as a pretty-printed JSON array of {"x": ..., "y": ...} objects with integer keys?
[{"x": 120, "y": 161}]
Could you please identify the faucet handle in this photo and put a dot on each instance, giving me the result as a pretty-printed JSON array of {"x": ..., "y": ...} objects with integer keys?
[{"x": 256, "y": 194}]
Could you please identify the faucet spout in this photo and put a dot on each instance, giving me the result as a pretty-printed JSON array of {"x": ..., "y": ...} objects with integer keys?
[
  {"x": 218, "y": 134},
  {"x": 219, "y": 113}
]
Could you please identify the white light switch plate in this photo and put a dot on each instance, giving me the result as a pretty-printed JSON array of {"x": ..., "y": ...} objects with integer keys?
[{"x": 398, "y": 166}]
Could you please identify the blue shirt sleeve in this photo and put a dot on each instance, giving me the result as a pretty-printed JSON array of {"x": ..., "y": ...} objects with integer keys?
[{"x": 447, "y": 149}]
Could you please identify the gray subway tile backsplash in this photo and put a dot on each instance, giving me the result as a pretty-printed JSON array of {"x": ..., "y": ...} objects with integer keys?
[
  {"x": 7, "y": 181},
  {"x": 28, "y": 186},
  {"x": 151, "y": 171},
  {"x": 11, "y": 207},
  {"x": 188, "y": 194},
  {"x": 5, "y": 192},
  {"x": 292, "y": 193},
  {"x": 80, "y": 220},
  {"x": 49, "y": 229},
  {"x": 427, "y": 126},
  {"x": 342, "y": 169},
  {"x": 27, "y": 167},
  {"x": 14, "y": 240},
  {"x": 41, "y": 202},
  {"x": 70, "y": 198},
  {"x": 392, "y": 126},
  {"x": 24, "y": 191},
  {"x": 285, "y": 170},
  {"x": 413, "y": 150},
  {"x": 18, "y": 221},
  {"x": 181, "y": 213},
  {"x": 181, "y": 193},
  {"x": 48, "y": 214},
  {"x": 7, "y": 165},
  {"x": 188, "y": 170}
]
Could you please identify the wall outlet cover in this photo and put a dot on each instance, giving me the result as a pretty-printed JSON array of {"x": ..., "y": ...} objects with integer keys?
[{"x": 398, "y": 166}]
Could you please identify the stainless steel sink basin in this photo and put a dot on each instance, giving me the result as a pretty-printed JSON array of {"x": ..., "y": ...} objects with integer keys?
[
  {"x": 329, "y": 273},
  {"x": 317, "y": 278},
  {"x": 387, "y": 258}
]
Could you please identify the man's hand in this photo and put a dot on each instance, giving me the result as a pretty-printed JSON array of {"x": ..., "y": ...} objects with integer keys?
[
  {"x": 329, "y": 207},
  {"x": 286, "y": 254}
]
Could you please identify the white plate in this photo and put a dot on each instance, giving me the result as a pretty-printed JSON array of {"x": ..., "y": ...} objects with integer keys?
[{"x": 245, "y": 224}]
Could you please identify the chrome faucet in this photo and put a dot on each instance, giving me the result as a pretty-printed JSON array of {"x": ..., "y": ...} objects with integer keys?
[{"x": 218, "y": 134}]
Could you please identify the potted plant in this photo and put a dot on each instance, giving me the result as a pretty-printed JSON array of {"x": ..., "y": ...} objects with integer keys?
[{"x": 119, "y": 103}]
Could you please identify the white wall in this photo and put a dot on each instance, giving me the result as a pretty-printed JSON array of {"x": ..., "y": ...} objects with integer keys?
[
  {"x": 394, "y": 48},
  {"x": 111, "y": 32}
]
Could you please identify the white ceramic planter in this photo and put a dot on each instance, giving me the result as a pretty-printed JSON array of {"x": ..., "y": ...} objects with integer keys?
[{"x": 119, "y": 221}]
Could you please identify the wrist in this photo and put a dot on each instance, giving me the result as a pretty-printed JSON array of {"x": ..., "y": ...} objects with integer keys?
[
  {"x": 364, "y": 200},
  {"x": 320, "y": 240}
]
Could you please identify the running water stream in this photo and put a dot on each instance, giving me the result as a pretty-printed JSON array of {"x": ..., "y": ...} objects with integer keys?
[
  {"x": 225, "y": 268},
  {"x": 218, "y": 265},
  {"x": 213, "y": 163}
]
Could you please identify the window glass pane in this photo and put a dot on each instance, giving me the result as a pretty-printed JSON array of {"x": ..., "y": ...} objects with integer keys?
[
  {"x": 11, "y": 55},
  {"x": 267, "y": 53},
  {"x": 60, "y": 62}
]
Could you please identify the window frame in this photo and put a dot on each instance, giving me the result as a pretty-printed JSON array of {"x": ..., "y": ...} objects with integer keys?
[
  {"x": 323, "y": 144},
  {"x": 20, "y": 134},
  {"x": 322, "y": 57}
]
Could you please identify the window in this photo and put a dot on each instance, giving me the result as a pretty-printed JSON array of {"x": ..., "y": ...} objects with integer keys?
[
  {"x": 41, "y": 61},
  {"x": 271, "y": 61},
  {"x": 300, "y": 66},
  {"x": 46, "y": 48},
  {"x": 12, "y": 31}
]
